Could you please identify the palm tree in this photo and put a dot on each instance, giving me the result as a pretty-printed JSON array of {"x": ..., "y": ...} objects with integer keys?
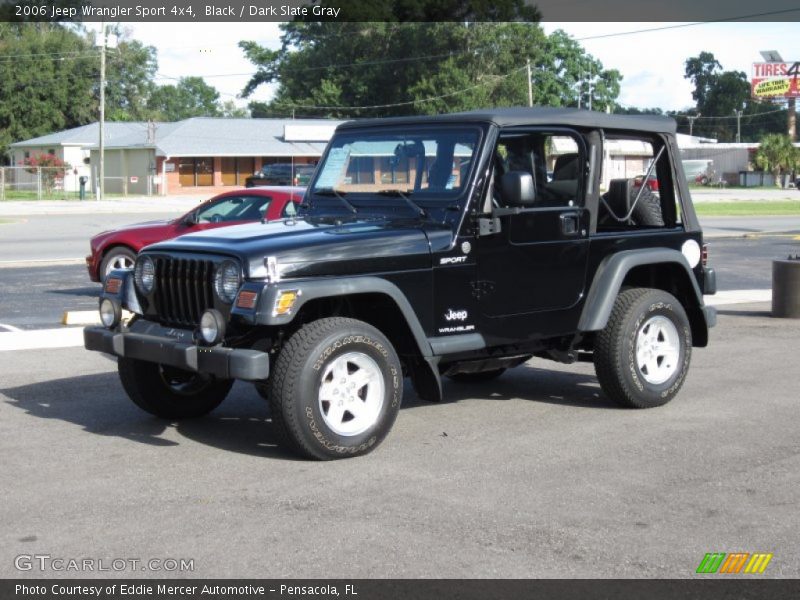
[{"x": 777, "y": 155}]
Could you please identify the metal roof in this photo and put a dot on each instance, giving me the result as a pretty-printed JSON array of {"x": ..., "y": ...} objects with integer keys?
[
  {"x": 509, "y": 117},
  {"x": 202, "y": 136},
  {"x": 86, "y": 135}
]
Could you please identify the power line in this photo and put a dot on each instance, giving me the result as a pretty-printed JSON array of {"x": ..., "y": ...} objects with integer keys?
[
  {"x": 703, "y": 118},
  {"x": 693, "y": 24}
]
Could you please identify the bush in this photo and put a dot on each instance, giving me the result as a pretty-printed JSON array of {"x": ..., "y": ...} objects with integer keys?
[{"x": 52, "y": 169}]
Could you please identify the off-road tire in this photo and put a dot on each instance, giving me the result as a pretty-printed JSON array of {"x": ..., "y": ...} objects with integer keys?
[
  {"x": 115, "y": 254},
  {"x": 648, "y": 209},
  {"x": 295, "y": 387},
  {"x": 478, "y": 377},
  {"x": 615, "y": 349},
  {"x": 146, "y": 384}
]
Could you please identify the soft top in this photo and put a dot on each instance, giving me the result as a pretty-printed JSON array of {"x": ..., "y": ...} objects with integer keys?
[{"x": 540, "y": 115}]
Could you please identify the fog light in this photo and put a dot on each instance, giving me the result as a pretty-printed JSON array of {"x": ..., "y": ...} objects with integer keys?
[
  {"x": 212, "y": 327},
  {"x": 285, "y": 302},
  {"x": 110, "y": 313}
]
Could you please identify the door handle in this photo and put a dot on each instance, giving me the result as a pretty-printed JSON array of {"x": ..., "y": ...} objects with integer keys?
[{"x": 569, "y": 224}]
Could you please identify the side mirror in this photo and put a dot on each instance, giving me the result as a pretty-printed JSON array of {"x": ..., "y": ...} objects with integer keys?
[
  {"x": 191, "y": 219},
  {"x": 517, "y": 188}
]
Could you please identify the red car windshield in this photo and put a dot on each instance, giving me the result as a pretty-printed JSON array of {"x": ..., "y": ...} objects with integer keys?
[{"x": 234, "y": 208}]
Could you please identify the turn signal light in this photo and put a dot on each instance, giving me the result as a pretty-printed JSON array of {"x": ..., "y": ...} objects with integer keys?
[
  {"x": 285, "y": 302},
  {"x": 246, "y": 299},
  {"x": 113, "y": 284}
]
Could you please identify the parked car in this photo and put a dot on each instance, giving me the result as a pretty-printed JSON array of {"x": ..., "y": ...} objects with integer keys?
[
  {"x": 117, "y": 248},
  {"x": 281, "y": 174},
  {"x": 652, "y": 182}
]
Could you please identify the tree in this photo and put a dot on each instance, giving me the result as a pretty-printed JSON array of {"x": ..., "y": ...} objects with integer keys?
[
  {"x": 47, "y": 80},
  {"x": 719, "y": 94},
  {"x": 229, "y": 110},
  {"x": 130, "y": 69},
  {"x": 777, "y": 154},
  {"x": 50, "y": 79},
  {"x": 388, "y": 68},
  {"x": 191, "y": 97}
]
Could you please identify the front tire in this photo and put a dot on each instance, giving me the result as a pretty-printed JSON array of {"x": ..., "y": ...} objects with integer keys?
[
  {"x": 117, "y": 258},
  {"x": 336, "y": 389},
  {"x": 642, "y": 356},
  {"x": 168, "y": 392}
]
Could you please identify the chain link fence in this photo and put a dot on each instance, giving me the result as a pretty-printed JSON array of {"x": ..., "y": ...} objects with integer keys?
[
  {"x": 38, "y": 183},
  {"x": 65, "y": 183}
]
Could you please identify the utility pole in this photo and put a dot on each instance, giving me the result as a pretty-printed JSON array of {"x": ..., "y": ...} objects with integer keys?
[
  {"x": 530, "y": 85},
  {"x": 691, "y": 122},
  {"x": 738, "y": 114},
  {"x": 100, "y": 184}
]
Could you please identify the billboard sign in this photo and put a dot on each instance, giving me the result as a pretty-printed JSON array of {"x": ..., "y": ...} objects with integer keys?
[{"x": 775, "y": 80}]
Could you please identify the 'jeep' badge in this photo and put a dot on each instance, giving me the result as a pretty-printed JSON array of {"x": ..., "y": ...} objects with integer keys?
[{"x": 455, "y": 315}]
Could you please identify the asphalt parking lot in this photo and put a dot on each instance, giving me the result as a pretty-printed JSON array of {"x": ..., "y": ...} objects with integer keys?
[{"x": 534, "y": 475}]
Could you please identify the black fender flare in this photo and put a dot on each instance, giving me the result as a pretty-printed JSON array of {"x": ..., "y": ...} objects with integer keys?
[
  {"x": 608, "y": 282},
  {"x": 328, "y": 288}
]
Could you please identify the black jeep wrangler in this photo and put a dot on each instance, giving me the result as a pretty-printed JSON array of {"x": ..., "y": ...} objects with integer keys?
[{"x": 459, "y": 245}]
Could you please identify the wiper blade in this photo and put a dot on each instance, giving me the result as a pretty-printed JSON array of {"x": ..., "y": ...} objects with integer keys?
[
  {"x": 334, "y": 193},
  {"x": 405, "y": 196}
]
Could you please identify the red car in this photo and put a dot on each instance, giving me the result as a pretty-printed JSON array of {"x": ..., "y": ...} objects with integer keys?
[{"x": 116, "y": 249}]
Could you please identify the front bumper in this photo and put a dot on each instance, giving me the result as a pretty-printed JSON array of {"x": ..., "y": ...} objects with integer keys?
[
  {"x": 224, "y": 363},
  {"x": 93, "y": 267}
]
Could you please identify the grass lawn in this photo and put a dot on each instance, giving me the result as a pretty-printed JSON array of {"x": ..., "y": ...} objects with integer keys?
[{"x": 747, "y": 208}]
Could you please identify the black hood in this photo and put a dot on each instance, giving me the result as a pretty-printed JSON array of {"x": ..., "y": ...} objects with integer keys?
[{"x": 318, "y": 247}]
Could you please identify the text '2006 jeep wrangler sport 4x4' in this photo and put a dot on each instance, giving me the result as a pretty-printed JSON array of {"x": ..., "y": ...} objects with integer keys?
[{"x": 459, "y": 245}]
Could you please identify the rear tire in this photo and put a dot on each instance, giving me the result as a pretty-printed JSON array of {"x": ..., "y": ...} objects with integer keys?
[
  {"x": 336, "y": 389},
  {"x": 642, "y": 356},
  {"x": 168, "y": 392}
]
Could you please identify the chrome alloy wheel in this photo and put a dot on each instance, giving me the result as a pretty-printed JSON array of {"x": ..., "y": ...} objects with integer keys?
[
  {"x": 351, "y": 394},
  {"x": 658, "y": 350},
  {"x": 120, "y": 261}
]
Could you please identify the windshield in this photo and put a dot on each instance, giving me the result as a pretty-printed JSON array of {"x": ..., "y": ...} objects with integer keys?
[
  {"x": 429, "y": 163},
  {"x": 234, "y": 208}
]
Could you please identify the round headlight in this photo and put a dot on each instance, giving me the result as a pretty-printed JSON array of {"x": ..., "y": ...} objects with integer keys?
[
  {"x": 145, "y": 274},
  {"x": 212, "y": 326},
  {"x": 110, "y": 313},
  {"x": 227, "y": 281}
]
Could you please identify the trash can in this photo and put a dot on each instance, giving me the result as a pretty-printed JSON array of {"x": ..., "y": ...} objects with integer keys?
[
  {"x": 786, "y": 288},
  {"x": 82, "y": 181}
]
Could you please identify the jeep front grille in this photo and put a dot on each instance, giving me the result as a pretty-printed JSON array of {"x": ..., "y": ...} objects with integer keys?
[{"x": 184, "y": 290}]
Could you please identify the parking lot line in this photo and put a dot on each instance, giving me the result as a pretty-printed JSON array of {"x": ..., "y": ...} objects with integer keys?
[
  {"x": 738, "y": 297},
  {"x": 35, "y": 339}
]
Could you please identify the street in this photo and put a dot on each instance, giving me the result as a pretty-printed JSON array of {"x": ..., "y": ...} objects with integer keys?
[{"x": 65, "y": 237}]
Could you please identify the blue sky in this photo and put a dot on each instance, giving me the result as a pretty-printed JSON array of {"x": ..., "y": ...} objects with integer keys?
[{"x": 651, "y": 62}]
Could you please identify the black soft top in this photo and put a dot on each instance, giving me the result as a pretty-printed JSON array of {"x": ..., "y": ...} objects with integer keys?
[{"x": 509, "y": 117}]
